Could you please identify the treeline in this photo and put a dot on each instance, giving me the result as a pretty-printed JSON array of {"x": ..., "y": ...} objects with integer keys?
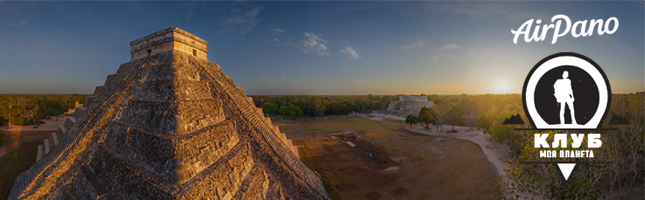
[
  {"x": 311, "y": 106},
  {"x": 29, "y": 109},
  {"x": 486, "y": 112}
]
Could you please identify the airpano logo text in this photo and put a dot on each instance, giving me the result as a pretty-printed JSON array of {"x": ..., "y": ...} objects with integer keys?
[{"x": 561, "y": 26}]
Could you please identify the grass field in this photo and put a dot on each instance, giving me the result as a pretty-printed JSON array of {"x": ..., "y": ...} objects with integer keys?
[{"x": 428, "y": 167}]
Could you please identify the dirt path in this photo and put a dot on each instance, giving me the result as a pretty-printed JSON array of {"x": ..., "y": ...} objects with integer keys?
[{"x": 497, "y": 153}]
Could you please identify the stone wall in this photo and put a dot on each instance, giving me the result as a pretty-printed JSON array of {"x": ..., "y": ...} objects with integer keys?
[
  {"x": 166, "y": 40},
  {"x": 276, "y": 129},
  {"x": 408, "y": 107},
  {"x": 413, "y": 98}
]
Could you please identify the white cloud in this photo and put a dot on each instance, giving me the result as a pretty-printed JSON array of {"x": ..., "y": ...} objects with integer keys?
[
  {"x": 451, "y": 55},
  {"x": 315, "y": 44},
  {"x": 285, "y": 39},
  {"x": 278, "y": 31},
  {"x": 350, "y": 53},
  {"x": 435, "y": 58},
  {"x": 449, "y": 47},
  {"x": 412, "y": 46},
  {"x": 273, "y": 42},
  {"x": 247, "y": 20},
  {"x": 238, "y": 16},
  {"x": 283, "y": 78}
]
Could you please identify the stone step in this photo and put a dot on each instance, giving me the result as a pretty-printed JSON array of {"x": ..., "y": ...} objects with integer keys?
[
  {"x": 247, "y": 183},
  {"x": 46, "y": 145},
  {"x": 109, "y": 79},
  {"x": 62, "y": 129},
  {"x": 293, "y": 149},
  {"x": 268, "y": 121},
  {"x": 100, "y": 90},
  {"x": 259, "y": 111},
  {"x": 90, "y": 185},
  {"x": 54, "y": 138},
  {"x": 69, "y": 121},
  {"x": 240, "y": 90},
  {"x": 228, "y": 78},
  {"x": 71, "y": 118},
  {"x": 276, "y": 130},
  {"x": 88, "y": 101},
  {"x": 40, "y": 152},
  {"x": 274, "y": 191},
  {"x": 283, "y": 138},
  {"x": 66, "y": 138},
  {"x": 250, "y": 100},
  {"x": 80, "y": 111}
]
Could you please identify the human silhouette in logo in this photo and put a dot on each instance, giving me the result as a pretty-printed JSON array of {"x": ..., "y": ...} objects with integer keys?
[{"x": 564, "y": 95}]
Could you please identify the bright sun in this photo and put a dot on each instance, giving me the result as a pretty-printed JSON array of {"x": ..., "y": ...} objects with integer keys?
[{"x": 499, "y": 85}]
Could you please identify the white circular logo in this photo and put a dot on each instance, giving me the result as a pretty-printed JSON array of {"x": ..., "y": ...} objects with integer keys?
[{"x": 566, "y": 91}]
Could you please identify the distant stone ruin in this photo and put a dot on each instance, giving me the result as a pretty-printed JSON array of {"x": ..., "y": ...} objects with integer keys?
[
  {"x": 168, "y": 125},
  {"x": 409, "y": 105},
  {"x": 370, "y": 151}
]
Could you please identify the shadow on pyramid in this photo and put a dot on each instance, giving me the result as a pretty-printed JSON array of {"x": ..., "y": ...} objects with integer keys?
[{"x": 169, "y": 125}]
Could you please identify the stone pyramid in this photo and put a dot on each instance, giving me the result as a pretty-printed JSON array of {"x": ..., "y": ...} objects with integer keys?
[{"x": 169, "y": 125}]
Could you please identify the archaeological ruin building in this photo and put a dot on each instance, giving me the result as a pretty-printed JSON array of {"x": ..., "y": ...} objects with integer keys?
[
  {"x": 168, "y": 125},
  {"x": 409, "y": 105}
]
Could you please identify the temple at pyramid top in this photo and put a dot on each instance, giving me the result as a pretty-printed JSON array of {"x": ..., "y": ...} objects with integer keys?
[{"x": 169, "y": 39}]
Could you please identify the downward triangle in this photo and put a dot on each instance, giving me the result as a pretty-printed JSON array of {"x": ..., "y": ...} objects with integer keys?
[{"x": 566, "y": 169}]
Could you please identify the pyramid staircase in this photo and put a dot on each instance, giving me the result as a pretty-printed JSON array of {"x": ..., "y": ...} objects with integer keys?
[{"x": 168, "y": 126}]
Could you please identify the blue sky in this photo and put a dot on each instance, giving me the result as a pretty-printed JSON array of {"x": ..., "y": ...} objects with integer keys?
[{"x": 317, "y": 48}]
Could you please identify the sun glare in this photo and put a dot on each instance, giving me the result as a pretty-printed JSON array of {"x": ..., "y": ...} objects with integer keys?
[{"x": 499, "y": 85}]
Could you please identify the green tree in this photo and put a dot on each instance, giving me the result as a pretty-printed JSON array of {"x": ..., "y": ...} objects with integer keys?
[
  {"x": 56, "y": 109},
  {"x": 483, "y": 123},
  {"x": 369, "y": 105},
  {"x": 348, "y": 107},
  {"x": 11, "y": 108},
  {"x": 30, "y": 112},
  {"x": 373, "y": 97},
  {"x": 468, "y": 108},
  {"x": 70, "y": 102},
  {"x": 42, "y": 108},
  {"x": 291, "y": 111},
  {"x": 453, "y": 114},
  {"x": 270, "y": 108},
  {"x": 314, "y": 106},
  {"x": 2, "y": 139},
  {"x": 411, "y": 119},
  {"x": 498, "y": 130},
  {"x": 441, "y": 110},
  {"x": 426, "y": 117},
  {"x": 378, "y": 105}
]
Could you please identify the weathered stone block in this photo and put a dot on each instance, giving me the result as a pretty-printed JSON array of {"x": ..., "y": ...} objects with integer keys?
[
  {"x": 40, "y": 153},
  {"x": 46, "y": 145},
  {"x": 54, "y": 138}
]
